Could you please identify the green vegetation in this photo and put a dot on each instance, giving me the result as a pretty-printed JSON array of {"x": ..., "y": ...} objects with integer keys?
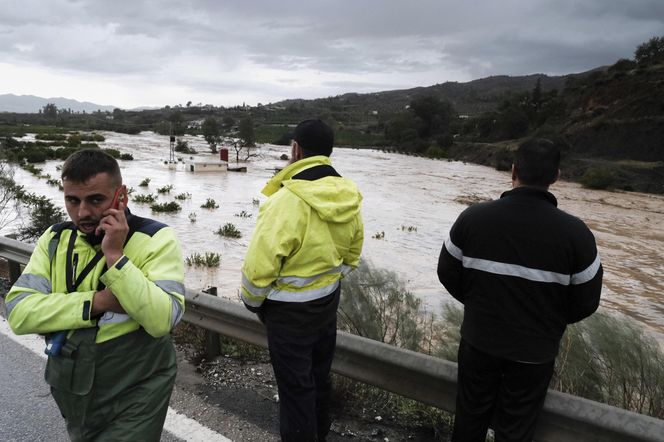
[
  {"x": 378, "y": 235},
  {"x": 145, "y": 182},
  {"x": 183, "y": 196},
  {"x": 208, "y": 259},
  {"x": 243, "y": 214},
  {"x": 210, "y": 204},
  {"x": 605, "y": 358},
  {"x": 144, "y": 199},
  {"x": 165, "y": 189},
  {"x": 229, "y": 230},
  {"x": 598, "y": 178},
  {"x": 169, "y": 207}
]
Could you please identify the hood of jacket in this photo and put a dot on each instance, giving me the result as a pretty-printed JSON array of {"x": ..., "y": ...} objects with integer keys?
[{"x": 335, "y": 199}]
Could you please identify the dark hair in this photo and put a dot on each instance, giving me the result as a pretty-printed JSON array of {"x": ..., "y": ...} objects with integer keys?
[
  {"x": 86, "y": 163},
  {"x": 536, "y": 162},
  {"x": 314, "y": 137}
]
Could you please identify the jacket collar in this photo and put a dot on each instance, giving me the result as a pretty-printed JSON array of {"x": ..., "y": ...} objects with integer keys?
[
  {"x": 533, "y": 192},
  {"x": 289, "y": 172}
]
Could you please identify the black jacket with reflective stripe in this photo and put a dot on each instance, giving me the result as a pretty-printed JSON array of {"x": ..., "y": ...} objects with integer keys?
[{"x": 523, "y": 269}]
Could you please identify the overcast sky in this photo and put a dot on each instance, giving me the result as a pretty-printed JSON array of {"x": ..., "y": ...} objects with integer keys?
[{"x": 153, "y": 53}]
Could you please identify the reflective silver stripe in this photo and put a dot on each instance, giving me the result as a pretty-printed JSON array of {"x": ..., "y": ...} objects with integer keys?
[
  {"x": 346, "y": 269},
  {"x": 537, "y": 275},
  {"x": 176, "y": 311},
  {"x": 113, "y": 318},
  {"x": 298, "y": 281},
  {"x": 251, "y": 302},
  {"x": 303, "y": 296},
  {"x": 170, "y": 286},
  {"x": 255, "y": 291},
  {"x": 501, "y": 268},
  {"x": 9, "y": 306},
  {"x": 34, "y": 282},
  {"x": 453, "y": 249},
  {"x": 587, "y": 274}
]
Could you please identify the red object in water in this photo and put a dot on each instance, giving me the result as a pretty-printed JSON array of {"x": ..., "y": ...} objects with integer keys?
[{"x": 223, "y": 154}]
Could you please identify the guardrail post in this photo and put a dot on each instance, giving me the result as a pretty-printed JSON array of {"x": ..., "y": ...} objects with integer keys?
[
  {"x": 14, "y": 271},
  {"x": 212, "y": 339}
]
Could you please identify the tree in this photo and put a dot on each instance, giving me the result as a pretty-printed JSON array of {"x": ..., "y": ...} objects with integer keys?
[
  {"x": 436, "y": 115},
  {"x": 650, "y": 52},
  {"x": 228, "y": 122},
  {"x": 8, "y": 195},
  {"x": 211, "y": 133},
  {"x": 177, "y": 122},
  {"x": 43, "y": 214},
  {"x": 51, "y": 111},
  {"x": 246, "y": 132}
]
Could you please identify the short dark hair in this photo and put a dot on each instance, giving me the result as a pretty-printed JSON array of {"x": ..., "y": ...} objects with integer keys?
[
  {"x": 536, "y": 162},
  {"x": 314, "y": 137},
  {"x": 86, "y": 163}
]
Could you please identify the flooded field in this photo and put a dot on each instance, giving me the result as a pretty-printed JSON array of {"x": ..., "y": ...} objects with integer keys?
[{"x": 414, "y": 201}]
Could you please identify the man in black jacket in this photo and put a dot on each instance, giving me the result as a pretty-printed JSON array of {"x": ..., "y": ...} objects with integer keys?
[{"x": 523, "y": 269}]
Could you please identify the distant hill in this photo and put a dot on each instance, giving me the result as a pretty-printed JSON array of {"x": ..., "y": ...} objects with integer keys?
[
  {"x": 470, "y": 98},
  {"x": 30, "y": 104}
]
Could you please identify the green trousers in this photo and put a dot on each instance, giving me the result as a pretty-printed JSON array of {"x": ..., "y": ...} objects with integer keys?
[{"x": 114, "y": 391}]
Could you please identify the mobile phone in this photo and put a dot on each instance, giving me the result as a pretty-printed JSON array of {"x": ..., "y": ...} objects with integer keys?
[{"x": 118, "y": 197}]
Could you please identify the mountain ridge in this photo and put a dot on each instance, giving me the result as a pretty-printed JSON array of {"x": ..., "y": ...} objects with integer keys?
[{"x": 29, "y": 104}]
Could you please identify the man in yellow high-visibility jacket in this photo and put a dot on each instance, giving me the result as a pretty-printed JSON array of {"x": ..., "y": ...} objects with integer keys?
[
  {"x": 112, "y": 283},
  {"x": 309, "y": 233}
]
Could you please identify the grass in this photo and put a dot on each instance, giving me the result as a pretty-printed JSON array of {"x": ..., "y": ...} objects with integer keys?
[
  {"x": 165, "y": 189},
  {"x": 243, "y": 214}
]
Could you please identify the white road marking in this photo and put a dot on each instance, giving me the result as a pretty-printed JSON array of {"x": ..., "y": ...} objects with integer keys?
[{"x": 176, "y": 423}]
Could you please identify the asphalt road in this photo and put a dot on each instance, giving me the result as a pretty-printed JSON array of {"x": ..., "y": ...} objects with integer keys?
[{"x": 28, "y": 412}]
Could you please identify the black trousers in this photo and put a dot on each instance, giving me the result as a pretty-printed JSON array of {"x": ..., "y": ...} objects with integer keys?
[
  {"x": 302, "y": 369},
  {"x": 511, "y": 393}
]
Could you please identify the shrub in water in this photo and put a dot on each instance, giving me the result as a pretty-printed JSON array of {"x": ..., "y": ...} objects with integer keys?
[{"x": 229, "y": 230}]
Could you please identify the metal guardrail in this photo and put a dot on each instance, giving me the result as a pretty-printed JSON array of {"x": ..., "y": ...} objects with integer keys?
[{"x": 414, "y": 375}]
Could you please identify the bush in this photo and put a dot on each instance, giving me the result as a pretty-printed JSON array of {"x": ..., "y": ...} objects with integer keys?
[
  {"x": 165, "y": 189},
  {"x": 229, "y": 231},
  {"x": 210, "y": 204},
  {"x": 127, "y": 157},
  {"x": 144, "y": 199},
  {"x": 209, "y": 259},
  {"x": 144, "y": 183},
  {"x": 166, "y": 207},
  {"x": 597, "y": 178},
  {"x": 42, "y": 214},
  {"x": 376, "y": 304}
]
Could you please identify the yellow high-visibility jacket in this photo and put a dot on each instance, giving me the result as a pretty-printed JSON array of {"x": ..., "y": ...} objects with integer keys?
[
  {"x": 308, "y": 234},
  {"x": 148, "y": 281}
]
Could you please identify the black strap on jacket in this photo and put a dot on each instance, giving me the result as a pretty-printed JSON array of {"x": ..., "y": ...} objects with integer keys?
[{"x": 316, "y": 172}]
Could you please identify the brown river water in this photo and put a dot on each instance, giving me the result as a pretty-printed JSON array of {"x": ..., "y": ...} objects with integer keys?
[{"x": 399, "y": 192}]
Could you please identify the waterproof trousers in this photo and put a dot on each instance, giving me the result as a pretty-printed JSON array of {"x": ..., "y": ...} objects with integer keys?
[
  {"x": 506, "y": 394},
  {"x": 117, "y": 390},
  {"x": 302, "y": 369}
]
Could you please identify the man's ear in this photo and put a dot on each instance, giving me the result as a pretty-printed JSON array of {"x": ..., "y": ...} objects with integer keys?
[
  {"x": 556, "y": 177},
  {"x": 296, "y": 152}
]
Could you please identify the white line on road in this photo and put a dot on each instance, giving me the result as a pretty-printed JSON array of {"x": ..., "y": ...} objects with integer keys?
[{"x": 176, "y": 423}]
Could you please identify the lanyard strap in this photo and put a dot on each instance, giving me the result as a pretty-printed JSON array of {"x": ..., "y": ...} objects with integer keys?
[{"x": 72, "y": 260}]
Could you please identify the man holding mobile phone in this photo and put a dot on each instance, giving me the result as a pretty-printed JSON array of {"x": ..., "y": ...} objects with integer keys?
[{"x": 113, "y": 282}]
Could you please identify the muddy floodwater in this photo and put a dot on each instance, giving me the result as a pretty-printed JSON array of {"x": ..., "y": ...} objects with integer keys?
[{"x": 409, "y": 202}]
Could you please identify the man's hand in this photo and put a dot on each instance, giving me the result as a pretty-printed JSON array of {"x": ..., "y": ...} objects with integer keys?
[
  {"x": 105, "y": 301},
  {"x": 115, "y": 227}
]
